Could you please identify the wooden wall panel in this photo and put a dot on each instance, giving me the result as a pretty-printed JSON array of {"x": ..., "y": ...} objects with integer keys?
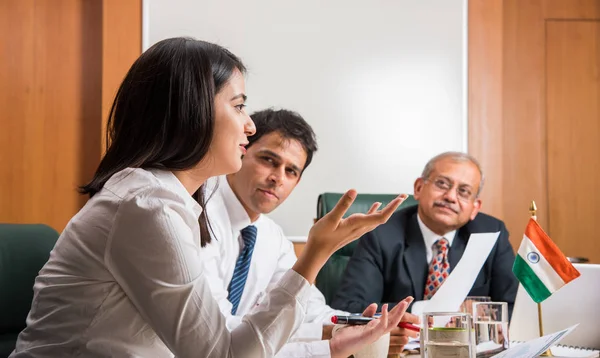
[
  {"x": 513, "y": 132},
  {"x": 51, "y": 90},
  {"x": 573, "y": 122},
  {"x": 119, "y": 51},
  {"x": 485, "y": 98},
  {"x": 53, "y": 66},
  {"x": 524, "y": 164}
]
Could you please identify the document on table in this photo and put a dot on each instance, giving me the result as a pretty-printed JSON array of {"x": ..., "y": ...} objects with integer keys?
[
  {"x": 457, "y": 285},
  {"x": 535, "y": 347}
]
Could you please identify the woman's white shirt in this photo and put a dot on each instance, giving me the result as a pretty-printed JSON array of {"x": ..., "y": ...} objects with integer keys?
[{"x": 125, "y": 280}]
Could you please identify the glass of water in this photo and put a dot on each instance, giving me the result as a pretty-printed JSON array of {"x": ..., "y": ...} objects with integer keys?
[
  {"x": 467, "y": 305},
  {"x": 447, "y": 335},
  {"x": 490, "y": 320}
]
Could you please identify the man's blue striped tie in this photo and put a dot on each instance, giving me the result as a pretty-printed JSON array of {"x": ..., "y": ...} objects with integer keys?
[{"x": 240, "y": 273}]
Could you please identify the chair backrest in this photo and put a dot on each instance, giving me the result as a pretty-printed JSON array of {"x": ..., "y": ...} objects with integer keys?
[
  {"x": 330, "y": 275},
  {"x": 24, "y": 249}
]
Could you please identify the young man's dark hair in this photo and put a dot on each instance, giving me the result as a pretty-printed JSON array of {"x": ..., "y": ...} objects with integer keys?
[{"x": 289, "y": 124}]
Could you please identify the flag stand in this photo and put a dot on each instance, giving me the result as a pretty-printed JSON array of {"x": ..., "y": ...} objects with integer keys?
[{"x": 547, "y": 353}]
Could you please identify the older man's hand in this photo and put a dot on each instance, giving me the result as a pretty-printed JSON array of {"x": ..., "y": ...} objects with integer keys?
[{"x": 399, "y": 336}]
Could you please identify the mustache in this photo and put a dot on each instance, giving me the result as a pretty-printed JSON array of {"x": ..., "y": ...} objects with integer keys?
[{"x": 444, "y": 204}]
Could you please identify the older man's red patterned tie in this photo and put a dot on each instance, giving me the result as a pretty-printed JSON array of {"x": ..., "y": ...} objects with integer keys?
[{"x": 439, "y": 268}]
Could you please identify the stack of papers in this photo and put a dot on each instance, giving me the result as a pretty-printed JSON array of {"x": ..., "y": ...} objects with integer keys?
[{"x": 534, "y": 347}]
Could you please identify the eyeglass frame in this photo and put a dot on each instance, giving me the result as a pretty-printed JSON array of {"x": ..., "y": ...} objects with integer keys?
[{"x": 472, "y": 196}]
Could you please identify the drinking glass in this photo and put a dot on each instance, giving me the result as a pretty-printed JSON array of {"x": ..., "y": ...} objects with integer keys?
[
  {"x": 447, "y": 335},
  {"x": 467, "y": 305},
  {"x": 490, "y": 320}
]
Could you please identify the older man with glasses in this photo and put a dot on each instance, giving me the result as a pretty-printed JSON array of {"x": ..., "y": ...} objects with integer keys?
[{"x": 414, "y": 252}]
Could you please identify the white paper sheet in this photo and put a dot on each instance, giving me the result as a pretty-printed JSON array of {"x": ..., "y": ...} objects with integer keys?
[
  {"x": 535, "y": 347},
  {"x": 457, "y": 285}
]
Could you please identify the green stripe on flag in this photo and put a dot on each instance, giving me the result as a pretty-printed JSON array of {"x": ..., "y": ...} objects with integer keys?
[{"x": 532, "y": 284}]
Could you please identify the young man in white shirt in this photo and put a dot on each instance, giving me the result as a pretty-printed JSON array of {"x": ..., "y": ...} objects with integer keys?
[{"x": 276, "y": 157}]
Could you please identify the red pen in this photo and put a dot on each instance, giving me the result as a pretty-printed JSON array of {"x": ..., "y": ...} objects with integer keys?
[
  {"x": 409, "y": 326},
  {"x": 359, "y": 320}
]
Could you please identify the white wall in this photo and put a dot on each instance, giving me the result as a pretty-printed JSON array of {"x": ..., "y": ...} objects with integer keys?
[{"x": 381, "y": 82}]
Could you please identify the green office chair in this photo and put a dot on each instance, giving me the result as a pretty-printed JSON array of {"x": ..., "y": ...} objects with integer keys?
[
  {"x": 24, "y": 249},
  {"x": 330, "y": 276}
]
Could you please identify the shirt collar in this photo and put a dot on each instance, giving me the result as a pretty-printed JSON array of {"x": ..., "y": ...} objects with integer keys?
[
  {"x": 169, "y": 180},
  {"x": 237, "y": 214},
  {"x": 431, "y": 237}
]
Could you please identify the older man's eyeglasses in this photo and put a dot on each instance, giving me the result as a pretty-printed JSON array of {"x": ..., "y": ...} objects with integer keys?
[{"x": 463, "y": 192}]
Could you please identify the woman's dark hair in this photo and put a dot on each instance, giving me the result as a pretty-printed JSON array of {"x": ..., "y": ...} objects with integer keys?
[
  {"x": 289, "y": 124},
  {"x": 163, "y": 116}
]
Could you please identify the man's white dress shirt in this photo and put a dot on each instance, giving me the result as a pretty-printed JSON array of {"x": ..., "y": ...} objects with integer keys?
[
  {"x": 431, "y": 237},
  {"x": 273, "y": 255},
  {"x": 125, "y": 280}
]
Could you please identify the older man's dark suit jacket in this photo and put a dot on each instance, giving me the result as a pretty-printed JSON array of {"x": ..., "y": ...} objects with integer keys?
[{"x": 390, "y": 263}]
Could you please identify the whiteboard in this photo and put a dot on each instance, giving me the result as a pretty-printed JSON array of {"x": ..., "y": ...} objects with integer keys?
[{"x": 382, "y": 83}]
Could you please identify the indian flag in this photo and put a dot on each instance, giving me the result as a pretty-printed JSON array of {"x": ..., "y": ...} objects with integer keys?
[{"x": 540, "y": 266}]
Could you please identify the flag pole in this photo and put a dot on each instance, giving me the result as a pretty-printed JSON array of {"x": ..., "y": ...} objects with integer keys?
[{"x": 547, "y": 353}]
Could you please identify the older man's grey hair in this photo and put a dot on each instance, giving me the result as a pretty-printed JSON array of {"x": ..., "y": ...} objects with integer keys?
[{"x": 458, "y": 157}]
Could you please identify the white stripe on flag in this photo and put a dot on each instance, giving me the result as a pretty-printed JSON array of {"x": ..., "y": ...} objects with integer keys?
[{"x": 542, "y": 268}]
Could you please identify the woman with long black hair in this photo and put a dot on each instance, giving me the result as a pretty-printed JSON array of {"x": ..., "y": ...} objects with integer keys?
[{"x": 124, "y": 279}]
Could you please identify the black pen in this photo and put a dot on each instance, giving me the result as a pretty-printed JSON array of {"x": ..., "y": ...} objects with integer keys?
[{"x": 356, "y": 320}]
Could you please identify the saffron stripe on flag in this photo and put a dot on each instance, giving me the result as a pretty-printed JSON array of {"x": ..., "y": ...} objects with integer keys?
[
  {"x": 542, "y": 268},
  {"x": 550, "y": 251},
  {"x": 532, "y": 284}
]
